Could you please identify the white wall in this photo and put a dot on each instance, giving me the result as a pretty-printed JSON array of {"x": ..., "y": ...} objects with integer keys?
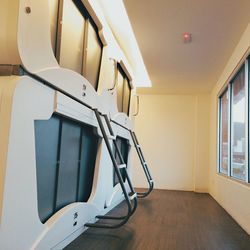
[
  {"x": 201, "y": 180},
  {"x": 178, "y": 134},
  {"x": 173, "y": 132},
  {"x": 232, "y": 195}
]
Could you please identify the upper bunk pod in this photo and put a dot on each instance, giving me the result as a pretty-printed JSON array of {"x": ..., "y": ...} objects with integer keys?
[
  {"x": 75, "y": 39},
  {"x": 55, "y": 42},
  {"x": 118, "y": 98},
  {"x": 71, "y": 51}
]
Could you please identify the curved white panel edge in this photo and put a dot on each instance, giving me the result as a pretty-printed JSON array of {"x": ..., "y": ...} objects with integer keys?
[
  {"x": 108, "y": 102},
  {"x": 65, "y": 222},
  {"x": 34, "y": 42}
]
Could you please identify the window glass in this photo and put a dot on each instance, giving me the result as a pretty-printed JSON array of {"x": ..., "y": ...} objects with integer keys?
[
  {"x": 94, "y": 54},
  {"x": 120, "y": 91},
  {"x": 65, "y": 163},
  {"x": 69, "y": 163},
  {"x": 238, "y": 161},
  {"x": 123, "y": 92},
  {"x": 224, "y": 126},
  {"x": 74, "y": 39},
  {"x": 126, "y": 96},
  {"x": 46, "y": 141},
  {"x": 72, "y": 34}
]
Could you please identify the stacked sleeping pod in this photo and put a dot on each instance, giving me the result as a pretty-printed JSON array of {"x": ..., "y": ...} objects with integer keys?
[
  {"x": 117, "y": 98},
  {"x": 56, "y": 172},
  {"x": 121, "y": 123}
]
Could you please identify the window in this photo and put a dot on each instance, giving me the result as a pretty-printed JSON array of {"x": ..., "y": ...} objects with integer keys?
[
  {"x": 93, "y": 55},
  {"x": 123, "y": 91},
  {"x": 126, "y": 96},
  {"x": 238, "y": 123},
  {"x": 70, "y": 52},
  {"x": 75, "y": 40},
  {"x": 120, "y": 86},
  {"x": 234, "y": 126}
]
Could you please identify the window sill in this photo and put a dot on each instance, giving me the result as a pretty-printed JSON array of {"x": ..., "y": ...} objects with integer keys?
[{"x": 234, "y": 179}]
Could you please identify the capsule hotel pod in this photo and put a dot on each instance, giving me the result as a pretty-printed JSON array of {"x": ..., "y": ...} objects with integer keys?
[{"x": 67, "y": 98}]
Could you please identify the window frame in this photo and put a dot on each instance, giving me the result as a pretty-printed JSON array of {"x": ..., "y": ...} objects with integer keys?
[{"x": 228, "y": 87}]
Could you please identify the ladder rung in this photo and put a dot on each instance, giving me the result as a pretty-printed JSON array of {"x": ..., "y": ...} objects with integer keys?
[
  {"x": 138, "y": 146},
  {"x": 112, "y": 137},
  {"x": 134, "y": 195},
  {"x": 151, "y": 181},
  {"x": 122, "y": 166}
]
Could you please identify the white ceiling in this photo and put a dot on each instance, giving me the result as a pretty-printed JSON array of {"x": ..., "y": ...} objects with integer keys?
[{"x": 174, "y": 67}]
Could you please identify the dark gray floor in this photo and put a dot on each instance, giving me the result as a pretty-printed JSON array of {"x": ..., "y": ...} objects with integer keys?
[{"x": 172, "y": 220}]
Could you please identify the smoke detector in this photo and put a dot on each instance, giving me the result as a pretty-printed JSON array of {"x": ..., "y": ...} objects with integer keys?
[{"x": 187, "y": 37}]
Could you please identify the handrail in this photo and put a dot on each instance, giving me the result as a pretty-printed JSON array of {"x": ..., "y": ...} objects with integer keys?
[
  {"x": 116, "y": 75},
  {"x": 138, "y": 105}
]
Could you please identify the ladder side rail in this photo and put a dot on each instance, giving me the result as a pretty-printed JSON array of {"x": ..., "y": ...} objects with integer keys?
[
  {"x": 142, "y": 160},
  {"x": 133, "y": 133},
  {"x": 108, "y": 125}
]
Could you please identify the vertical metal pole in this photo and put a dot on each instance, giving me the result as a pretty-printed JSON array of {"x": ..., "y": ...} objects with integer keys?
[
  {"x": 246, "y": 121},
  {"x": 219, "y": 137},
  {"x": 230, "y": 88}
]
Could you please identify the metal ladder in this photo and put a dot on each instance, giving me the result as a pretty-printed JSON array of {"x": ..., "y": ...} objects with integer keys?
[
  {"x": 132, "y": 196},
  {"x": 142, "y": 160},
  {"x": 144, "y": 166}
]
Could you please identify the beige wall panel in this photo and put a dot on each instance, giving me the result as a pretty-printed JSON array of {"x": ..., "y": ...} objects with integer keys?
[
  {"x": 202, "y": 143},
  {"x": 8, "y": 32},
  {"x": 166, "y": 130},
  {"x": 7, "y": 86},
  {"x": 53, "y": 9}
]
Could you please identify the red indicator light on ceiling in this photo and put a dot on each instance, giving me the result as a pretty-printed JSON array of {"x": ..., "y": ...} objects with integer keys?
[{"x": 187, "y": 37}]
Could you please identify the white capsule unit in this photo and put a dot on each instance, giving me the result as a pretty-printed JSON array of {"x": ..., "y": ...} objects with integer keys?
[{"x": 65, "y": 148}]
